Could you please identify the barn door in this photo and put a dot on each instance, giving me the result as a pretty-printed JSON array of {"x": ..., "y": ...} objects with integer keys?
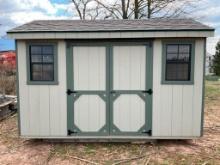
[
  {"x": 87, "y": 91},
  {"x": 131, "y": 90},
  {"x": 109, "y": 90}
]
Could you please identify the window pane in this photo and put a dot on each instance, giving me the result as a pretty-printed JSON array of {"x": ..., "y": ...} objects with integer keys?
[
  {"x": 171, "y": 71},
  {"x": 48, "y": 72},
  {"x": 178, "y": 62},
  {"x": 172, "y": 57},
  {"x": 47, "y": 58},
  {"x": 47, "y": 49},
  {"x": 184, "y": 57},
  {"x": 184, "y": 48},
  {"x": 172, "y": 48},
  {"x": 182, "y": 70},
  {"x": 35, "y": 49},
  {"x": 42, "y": 63},
  {"x": 37, "y": 67},
  {"x": 36, "y": 58},
  {"x": 177, "y": 72},
  {"x": 36, "y": 72}
]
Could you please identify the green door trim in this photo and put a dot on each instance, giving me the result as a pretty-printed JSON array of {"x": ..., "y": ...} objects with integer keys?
[
  {"x": 105, "y": 95},
  {"x": 146, "y": 129},
  {"x": 72, "y": 128}
]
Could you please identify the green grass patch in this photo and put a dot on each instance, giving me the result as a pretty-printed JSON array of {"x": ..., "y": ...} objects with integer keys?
[
  {"x": 212, "y": 89},
  {"x": 212, "y": 78}
]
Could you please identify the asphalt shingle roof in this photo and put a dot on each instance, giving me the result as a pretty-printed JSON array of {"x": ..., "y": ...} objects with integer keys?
[{"x": 111, "y": 25}]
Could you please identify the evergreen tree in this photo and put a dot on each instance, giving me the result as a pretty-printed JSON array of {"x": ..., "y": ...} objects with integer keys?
[{"x": 216, "y": 60}]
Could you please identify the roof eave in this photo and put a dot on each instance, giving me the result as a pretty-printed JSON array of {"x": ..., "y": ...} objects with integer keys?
[{"x": 117, "y": 30}]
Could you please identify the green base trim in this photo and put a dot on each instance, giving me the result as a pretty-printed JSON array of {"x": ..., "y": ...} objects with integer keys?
[
  {"x": 103, "y": 131},
  {"x": 140, "y": 132}
]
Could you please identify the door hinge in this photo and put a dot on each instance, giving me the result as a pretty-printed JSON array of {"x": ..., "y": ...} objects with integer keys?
[
  {"x": 149, "y": 91},
  {"x": 149, "y": 132},
  {"x": 69, "y": 92},
  {"x": 112, "y": 92},
  {"x": 71, "y": 132}
]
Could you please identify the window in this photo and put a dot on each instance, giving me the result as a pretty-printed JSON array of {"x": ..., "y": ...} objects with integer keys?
[
  {"x": 177, "y": 61},
  {"x": 42, "y": 64}
]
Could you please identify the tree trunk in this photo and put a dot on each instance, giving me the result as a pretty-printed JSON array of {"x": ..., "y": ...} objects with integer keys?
[
  {"x": 149, "y": 9},
  {"x": 136, "y": 9},
  {"x": 124, "y": 12}
]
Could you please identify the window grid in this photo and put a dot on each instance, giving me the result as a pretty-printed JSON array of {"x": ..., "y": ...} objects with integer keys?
[
  {"x": 43, "y": 64},
  {"x": 177, "y": 63}
]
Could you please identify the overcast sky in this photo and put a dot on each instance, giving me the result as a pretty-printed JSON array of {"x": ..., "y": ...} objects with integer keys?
[{"x": 17, "y": 12}]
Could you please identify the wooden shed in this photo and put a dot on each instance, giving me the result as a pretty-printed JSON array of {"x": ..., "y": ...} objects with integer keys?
[{"x": 111, "y": 79}]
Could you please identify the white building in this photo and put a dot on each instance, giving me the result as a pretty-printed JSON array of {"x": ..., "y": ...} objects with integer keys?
[
  {"x": 111, "y": 79},
  {"x": 209, "y": 63}
]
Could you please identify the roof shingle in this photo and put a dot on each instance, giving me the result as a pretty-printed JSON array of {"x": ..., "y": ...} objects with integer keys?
[{"x": 111, "y": 25}]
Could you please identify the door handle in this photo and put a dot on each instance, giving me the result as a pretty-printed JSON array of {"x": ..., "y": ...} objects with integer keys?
[
  {"x": 69, "y": 92},
  {"x": 149, "y": 91}
]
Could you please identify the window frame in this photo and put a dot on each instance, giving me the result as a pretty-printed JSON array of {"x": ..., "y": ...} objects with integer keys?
[
  {"x": 55, "y": 64},
  {"x": 164, "y": 63}
]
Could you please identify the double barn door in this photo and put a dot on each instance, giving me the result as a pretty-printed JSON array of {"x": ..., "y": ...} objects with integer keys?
[{"x": 109, "y": 89}]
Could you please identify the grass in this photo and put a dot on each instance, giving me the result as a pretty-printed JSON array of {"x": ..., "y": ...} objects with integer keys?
[
  {"x": 212, "y": 90},
  {"x": 202, "y": 151},
  {"x": 212, "y": 78}
]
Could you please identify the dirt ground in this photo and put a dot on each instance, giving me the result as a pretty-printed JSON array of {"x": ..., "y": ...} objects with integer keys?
[{"x": 204, "y": 151}]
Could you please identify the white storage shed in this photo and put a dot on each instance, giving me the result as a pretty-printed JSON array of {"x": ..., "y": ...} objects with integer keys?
[{"x": 111, "y": 79}]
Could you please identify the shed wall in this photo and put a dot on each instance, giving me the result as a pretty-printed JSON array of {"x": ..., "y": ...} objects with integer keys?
[
  {"x": 43, "y": 110},
  {"x": 177, "y": 109}
]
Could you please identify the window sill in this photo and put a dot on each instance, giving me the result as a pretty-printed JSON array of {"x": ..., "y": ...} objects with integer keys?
[
  {"x": 177, "y": 82},
  {"x": 42, "y": 82}
]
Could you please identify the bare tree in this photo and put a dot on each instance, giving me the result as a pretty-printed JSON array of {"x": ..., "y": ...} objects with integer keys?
[
  {"x": 118, "y": 9},
  {"x": 137, "y": 9},
  {"x": 169, "y": 8},
  {"x": 132, "y": 9},
  {"x": 85, "y": 9}
]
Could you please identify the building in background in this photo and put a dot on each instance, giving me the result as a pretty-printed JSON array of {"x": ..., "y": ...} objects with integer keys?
[
  {"x": 209, "y": 63},
  {"x": 8, "y": 58}
]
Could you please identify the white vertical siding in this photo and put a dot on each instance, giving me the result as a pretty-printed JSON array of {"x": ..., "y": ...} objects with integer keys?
[
  {"x": 129, "y": 67},
  {"x": 129, "y": 113},
  {"x": 89, "y": 68},
  {"x": 42, "y": 107},
  {"x": 23, "y": 89},
  {"x": 34, "y": 108},
  {"x": 187, "y": 110},
  {"x": 177, "y": 108},
  {"x": 90, "y": 113},
  {"x": 198, "y": 87},
  {"x": 44, "y": 111}
]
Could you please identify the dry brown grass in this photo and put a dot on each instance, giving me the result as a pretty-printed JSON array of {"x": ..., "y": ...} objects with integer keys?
[
  {"x": 7, "y": 80},
  {"x": 204, "y": 151}
]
